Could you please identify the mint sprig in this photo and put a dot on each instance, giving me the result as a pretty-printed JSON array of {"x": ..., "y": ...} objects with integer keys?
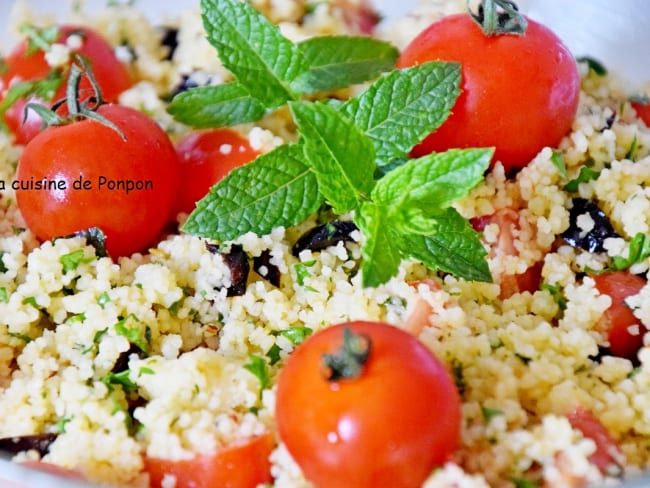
[
  {"x": 352, "y": 156},
  {"x": 269, "y": 69}
]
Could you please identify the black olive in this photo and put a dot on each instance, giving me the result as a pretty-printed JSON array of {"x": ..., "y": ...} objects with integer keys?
[
  {"x": 592, "y": 240},
  {"x": 271, "y": 273},
  {"x": 37, "y": 442},
  {"x": 324, "y": 236},
  {"x": 169, "y": 40},
  {"x": 122, "y": 361},
  {"x": 237, "y": 261},
  {"x": 185, "y": 84}
]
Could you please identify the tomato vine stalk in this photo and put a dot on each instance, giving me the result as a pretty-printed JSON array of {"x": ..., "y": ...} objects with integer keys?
[{"x": 497, "y": 17}]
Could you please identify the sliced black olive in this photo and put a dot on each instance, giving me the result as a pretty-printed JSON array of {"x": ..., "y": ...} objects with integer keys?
[
  {"x": 324, "y": 236},
  {"x": 37, "y": 442},
  {"x": 592, "y": 240},
  {"x": 237, "y": 261},
  {"x": 169, "y": 40},
  {"x": 270, "y": 272},
  {"x": 122, "y": 362},
  {"x": 185, "y": 84}
]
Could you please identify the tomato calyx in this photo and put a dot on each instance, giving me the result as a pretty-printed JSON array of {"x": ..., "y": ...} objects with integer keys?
[
  {"x": 76, "y": 109},
  {"x": 493, "y": 21},
  {"x": 348, "y": 362}
]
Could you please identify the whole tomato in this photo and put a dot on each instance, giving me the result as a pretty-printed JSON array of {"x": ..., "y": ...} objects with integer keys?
[
  {"x": 519, "y": 91},
  {"x": 206, "y": 157},
  {"x": 21, "y": 65},
  {"x": 624, "y": 331},
  {"x": 389, "y": 424},
  {"x": 85, "y": 174}
]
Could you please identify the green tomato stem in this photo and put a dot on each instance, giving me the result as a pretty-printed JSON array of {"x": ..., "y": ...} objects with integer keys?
[
  {"x": 498, "y": 17},
  {"x": 348, "y": 362}
]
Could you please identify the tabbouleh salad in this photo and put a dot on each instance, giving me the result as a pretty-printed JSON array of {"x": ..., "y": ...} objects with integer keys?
[{"x": 175, "y": 352}]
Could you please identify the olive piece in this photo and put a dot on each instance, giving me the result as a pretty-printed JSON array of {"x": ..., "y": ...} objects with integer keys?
[
  {"x": 37, "y": 442},
  {"x": 324, "y": 236},
  {"x": 591, "y": 240}
]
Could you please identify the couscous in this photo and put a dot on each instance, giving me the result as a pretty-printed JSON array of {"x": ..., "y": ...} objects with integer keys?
[{"x": 113, "y": 362}]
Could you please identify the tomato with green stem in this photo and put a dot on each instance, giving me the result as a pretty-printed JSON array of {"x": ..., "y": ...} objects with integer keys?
[
  {"x": 520, "y": 83},
  {"x": 367, "y": 404},
  {"x": 244, "y": 464},
  {"x": 24, "y": 64},
  {"x": 206, "y": 157},
  {"x": 623, "y": 329}
]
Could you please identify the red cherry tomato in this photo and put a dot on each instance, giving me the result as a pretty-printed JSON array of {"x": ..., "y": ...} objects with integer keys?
[
  {"x": 125, "y": 187},
  {"x": 519, "y": 92},
  {"x": 245, "y": 464},
  {"x": 608, "y": 453},
  {"x": 111, "y": 75},
  {"x": 206, "y": 157},
  {"x": 624, "y": 330},
  {"x": 389, "y": 426}
]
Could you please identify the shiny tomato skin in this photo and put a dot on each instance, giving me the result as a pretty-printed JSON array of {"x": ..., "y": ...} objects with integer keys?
[
  {"x": 91, "y": 151},
  {"x": 618, "y": 318},
  {"x": 391, "y": 426},
  {"x": 519, "y": 92},
  {"x": 206, "y": 157},
  {"x": 111, "y": 75},
  {"x": 244, "y": 464}
]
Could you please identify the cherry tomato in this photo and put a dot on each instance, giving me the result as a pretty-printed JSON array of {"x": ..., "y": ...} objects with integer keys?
[
  {"x": 608, "y": 453},
  {"x": 125, "y": 187},
  {"x": 244, "y": 464},
  {"x": 111, "y": 75},
  {"x": 206, "y": 157},
  {"x": 625, "y": 331},
  {"x": 519, "y": 92},
  {"x": 389, "y": 426}
]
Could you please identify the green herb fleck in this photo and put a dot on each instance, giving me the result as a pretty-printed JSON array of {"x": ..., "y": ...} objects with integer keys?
[
  {"x": 258, "y": 367},
  {"x": 121, "y": 378},
  {"x": 557, "y": 158},
  {"x": 30, "y": 301},
  {"x": 639, "y": 250},
  {"x": 4, "y": 295},
  {"x": 135, "y": 334},
  {"x": 593, "y": 64},
  {"x": 103, "y": 299},
  {"x": 22, "y": 337},
  {"x": 586, "y": 175},
  {"x": 489, "y": 413},
  {"x": 72, "y": 260}
]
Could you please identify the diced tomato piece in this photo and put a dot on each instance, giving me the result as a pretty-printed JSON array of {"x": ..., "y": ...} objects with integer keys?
[
  {"x": 608, "y": 456},
  {"x": 245, "y": 464},
  {"x": 624, "y": 331}
]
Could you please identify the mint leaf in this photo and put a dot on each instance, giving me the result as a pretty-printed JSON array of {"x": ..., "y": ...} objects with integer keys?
[
  {"x": 340, "y": 61},
  {"x": 216, "y": 106},
  {"x": 338, "y": 152},
  {"x": 586, "y": 174},
  {"x": 380, "y": 254},
  {"x": 253, "y": 49},
  {"x": 403, "y": 107},
  {"x": 72, "y": 260},
  {"x": 638, "y": 252},
  {"x": 433, "y": 181},
  {"x": 277, "y": 189},
  {"x": 454, "y": 247}
]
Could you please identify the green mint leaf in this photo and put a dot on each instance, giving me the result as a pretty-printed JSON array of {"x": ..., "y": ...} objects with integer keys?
[
  {"x": 277, "y": 189},
  {"x": 453, "y": 248},
  {"x": 340, "y": 61},
  {"x": 403, "y": 107},
  {"x": 122, "y": 378},
  {"x": 380, "y": 253},
  {"x": 216, "y": 106},
  {"x": 258, "y": 367},
  {"x": 433, "y": 181},
  {"x": 338, "y": 152},
  {"x": 253, "y": 50}
]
